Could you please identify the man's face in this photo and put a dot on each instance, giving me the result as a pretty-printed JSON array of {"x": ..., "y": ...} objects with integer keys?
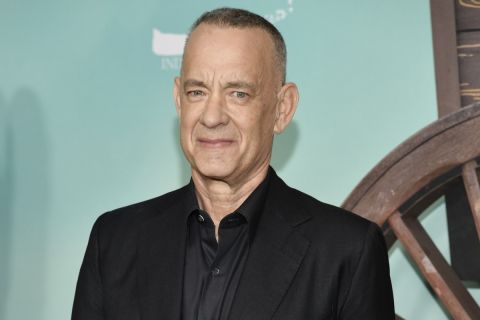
[{"x": 226, "y": 98}]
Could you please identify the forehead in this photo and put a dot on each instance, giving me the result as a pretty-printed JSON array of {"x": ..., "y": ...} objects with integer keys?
[{"x": 221, "y": 50}]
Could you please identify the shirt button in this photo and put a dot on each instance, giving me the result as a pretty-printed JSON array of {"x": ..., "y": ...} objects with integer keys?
[
  {"x": 216, "y": 271},
  {"x": 200, "y": 218}
]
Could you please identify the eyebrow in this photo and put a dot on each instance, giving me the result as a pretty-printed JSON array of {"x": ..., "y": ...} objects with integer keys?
[
  {"x": 230, "y": 84},
  {"x": 193, "y": 83},
  {"x": 241, "y": 84}
]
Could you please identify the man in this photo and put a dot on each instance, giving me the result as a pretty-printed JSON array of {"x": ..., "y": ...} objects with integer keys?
[{"x": 237, "y": 242}]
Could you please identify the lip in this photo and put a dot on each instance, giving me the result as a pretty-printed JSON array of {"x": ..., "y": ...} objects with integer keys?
[{"x": 215, "y": 143}]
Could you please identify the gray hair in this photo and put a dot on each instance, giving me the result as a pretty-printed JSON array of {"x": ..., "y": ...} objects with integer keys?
[{"x": 239, "y": 18}]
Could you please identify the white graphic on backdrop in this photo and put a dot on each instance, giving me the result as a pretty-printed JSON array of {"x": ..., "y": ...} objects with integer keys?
[
  {"x": 170, "y": 45},
  {"x": 280, "y": 13}
]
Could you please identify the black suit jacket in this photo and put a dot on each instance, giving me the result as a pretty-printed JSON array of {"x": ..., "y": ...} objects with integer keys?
[{"x": 308, "y": 260}]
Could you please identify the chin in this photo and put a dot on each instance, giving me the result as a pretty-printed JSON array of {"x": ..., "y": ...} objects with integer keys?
[{"x": 214, "y": 170}]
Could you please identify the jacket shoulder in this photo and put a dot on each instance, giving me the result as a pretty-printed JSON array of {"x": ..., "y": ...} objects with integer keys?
[
  {"x": 125, "y": 219},
  {"x": 324, "y": 222},
  {"x": 321, "y": 214}
]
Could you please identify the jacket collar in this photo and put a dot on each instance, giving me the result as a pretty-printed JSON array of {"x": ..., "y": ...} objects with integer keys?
[{"x": 274, "y": 258}]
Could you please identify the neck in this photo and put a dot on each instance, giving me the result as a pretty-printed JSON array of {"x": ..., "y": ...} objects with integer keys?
[{"x": 220, "y": 198}]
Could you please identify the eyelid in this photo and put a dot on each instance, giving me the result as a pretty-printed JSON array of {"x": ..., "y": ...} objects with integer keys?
[
  {"x": 244, "y": 96},
  {"x": 242, "y": 92},
  {"x": 197, "y": 92}
]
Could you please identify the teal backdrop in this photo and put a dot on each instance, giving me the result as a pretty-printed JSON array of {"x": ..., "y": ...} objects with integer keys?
[{"x": 88, "y": 124}]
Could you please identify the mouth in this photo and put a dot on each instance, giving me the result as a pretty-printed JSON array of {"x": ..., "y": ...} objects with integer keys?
[{"x": 215, "y": 143}]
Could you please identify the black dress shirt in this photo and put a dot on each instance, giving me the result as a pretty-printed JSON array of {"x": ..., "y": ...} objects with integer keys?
[{"x": 213, "y": 269}]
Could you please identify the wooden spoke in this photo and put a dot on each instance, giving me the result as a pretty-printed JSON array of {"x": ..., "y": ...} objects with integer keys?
[
  {"x": 434, "y": 267},
  {"x": 472, "y": 187},
  {"x": 408, "y": 180}
]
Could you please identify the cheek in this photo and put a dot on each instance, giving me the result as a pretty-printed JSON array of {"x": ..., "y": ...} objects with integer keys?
[
  {"x": 260, "y": 128},
  {"x": 188, "y": 119},
  {"x": 266, "y": 121}
]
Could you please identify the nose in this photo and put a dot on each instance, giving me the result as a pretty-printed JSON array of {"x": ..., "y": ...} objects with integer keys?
[{"x": 214, "y": 113}]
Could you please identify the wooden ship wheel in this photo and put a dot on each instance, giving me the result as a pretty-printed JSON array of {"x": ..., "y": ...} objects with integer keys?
[
  {"x": 412, "y": 177},
  {"x": 443, "y": 159}
]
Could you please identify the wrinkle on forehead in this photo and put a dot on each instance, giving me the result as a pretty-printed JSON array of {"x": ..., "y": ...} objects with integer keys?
[{"x": 229, "y": 54}]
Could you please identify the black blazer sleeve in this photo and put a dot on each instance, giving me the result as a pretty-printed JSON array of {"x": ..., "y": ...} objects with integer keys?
[
  {"x": 370, "y": 293},
  {"x": 88, "y": 304}
]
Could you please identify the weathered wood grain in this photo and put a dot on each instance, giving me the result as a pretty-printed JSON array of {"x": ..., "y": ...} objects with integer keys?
[
  {"x": 469, "y": 66},
  {"x": 445, "y": 144},
  {"x": 468, "y": 15},
  {"x": 434, "y": 267},
  {"x": 472, "y": 187},
  {"x": 409, "y": 175},
  {"x": 445, "y": 56}
]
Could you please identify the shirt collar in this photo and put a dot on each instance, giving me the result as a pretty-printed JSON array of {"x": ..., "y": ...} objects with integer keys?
[{"x": 251, "y": 208}]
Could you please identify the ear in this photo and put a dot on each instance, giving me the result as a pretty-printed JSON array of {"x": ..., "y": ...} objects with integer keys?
[
  {"x": 176, "y": 94},
  {"x": 286, "y": 106}
]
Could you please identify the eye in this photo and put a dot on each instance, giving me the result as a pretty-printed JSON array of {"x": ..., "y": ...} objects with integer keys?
[
  {"x": 240, "y": 94},
  {"x": 195, "y": 93}
]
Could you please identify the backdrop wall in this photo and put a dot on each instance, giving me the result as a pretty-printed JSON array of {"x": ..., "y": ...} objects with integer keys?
[{"x": 88, "y": 124}]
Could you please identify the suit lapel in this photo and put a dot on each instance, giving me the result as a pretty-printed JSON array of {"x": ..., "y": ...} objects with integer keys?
[
  {"x": 161, "y": 251},
  {"x": 274, "y": 258}
]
